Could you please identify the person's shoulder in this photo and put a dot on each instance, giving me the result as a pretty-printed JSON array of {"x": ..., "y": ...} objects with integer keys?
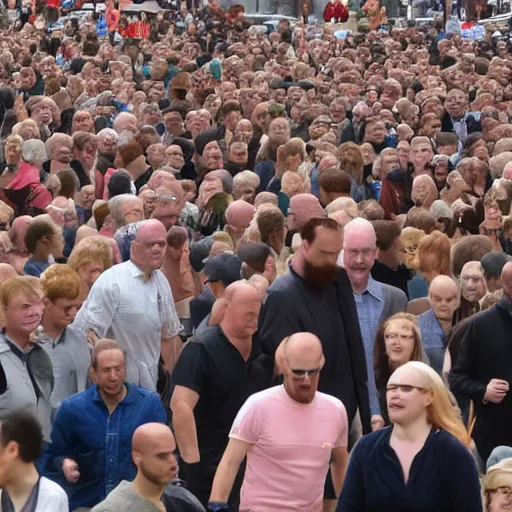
[
  {"x": 282, "y": 283},
  {"x": 266, "y": 396},
  {"x": 329, "y": 400},
  {"x": 51, "y": 494},
  {"x": 142, "y": 393},
  {"x": 78, "y": 399},
  {"x": 450, "y": 446},
  {"x": 394, "y": 292},
  {"x": 370, "y": 441}
]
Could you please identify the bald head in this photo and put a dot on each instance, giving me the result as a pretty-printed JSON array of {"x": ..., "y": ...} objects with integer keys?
[
  {"x": 302, "y": 208},
  {"x": 506, "y": 279},
  {"x": 145, "y": 436},
  {"x": 6, "y": 272},
  {"x": 443, "y": 295},
  {"x": 239, "y": 214},
  {"x": 240, "y": 291},
  {"x": 84, "y": 232},
  {"x": 303, "y": 345},
  {"x": 357, "y": 230},
  {"x": 242, "y": 303},
  {"x": 18, "y": 230},
  {"x": 153, "y": 448},
  {"x": 149, "y": 229}
]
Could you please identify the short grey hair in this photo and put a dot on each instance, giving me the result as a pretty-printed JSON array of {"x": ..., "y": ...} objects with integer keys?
[
  {"x": 115, "y": 205},
  {"x": 34, "y": 151},
  {"x": 108, "y": 133}
]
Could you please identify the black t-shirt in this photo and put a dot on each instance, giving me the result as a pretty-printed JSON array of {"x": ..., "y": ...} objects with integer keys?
[
  {"x": 397, "y": 278},
  {"x": 212, "y": 367}
]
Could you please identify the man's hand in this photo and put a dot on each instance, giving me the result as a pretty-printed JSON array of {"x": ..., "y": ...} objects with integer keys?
[
  {"x": 496, "y": 391},
  {"x": 377, "y": 422},
  {"x": 70, "y": 468}
]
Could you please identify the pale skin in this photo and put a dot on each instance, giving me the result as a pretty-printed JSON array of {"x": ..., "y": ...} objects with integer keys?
[
  {"x": 148, "y": 250},
  {"x": 184, "y": 400},
  {"x": 300, "y": 350},
  {"x": 443, "y": 295}
]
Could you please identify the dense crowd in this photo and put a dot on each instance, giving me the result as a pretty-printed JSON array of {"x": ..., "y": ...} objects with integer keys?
[{"x": 253, "y": 269}]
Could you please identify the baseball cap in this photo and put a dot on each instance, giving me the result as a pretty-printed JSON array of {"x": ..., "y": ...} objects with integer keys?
[
  {"x": 223, "y": 267},
  {"x": 493, "y": 263},
  {"x": 199, "y": 252}
]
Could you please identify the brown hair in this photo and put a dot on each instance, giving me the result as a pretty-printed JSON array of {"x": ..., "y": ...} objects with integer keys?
[
  {"x": 60, "y": 281},
  {"x": 93, "y": 249},
  {"x": 308, "y": 231},
  {"x": 333, "y": 180},
  {"x": 351, "y": 160},
  {"x": 380, "y": 358},
  {"x": 102, "y": 346},
  {"x": 28, "y": 286},
  {"x": 434, "y": 253},
  {"x": 387, "y": 232},
  {"x": 39, "y": 228},
  {"x": 270, "y": 221},
  {"x": 370, "y": 209}
]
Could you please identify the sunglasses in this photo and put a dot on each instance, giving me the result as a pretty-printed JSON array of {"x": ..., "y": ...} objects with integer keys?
[{"x": 302, "y": 374}]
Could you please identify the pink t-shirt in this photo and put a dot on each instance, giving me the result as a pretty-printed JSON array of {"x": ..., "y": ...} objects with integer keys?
[{"x": 292, "y": 444}]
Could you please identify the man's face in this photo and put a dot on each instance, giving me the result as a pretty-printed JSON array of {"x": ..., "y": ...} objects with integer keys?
[
  {"x": 156, "y": 155},
  {"x": 42, "y": 114},
  {"x": 24, "y": 313},
  {"x": 472, "y": 283},
  {"x": 174, "y": 155},
  {"x": 244, "y": 314},
  {"x": 318, "y": 130},
  {"x": 375, "y": 132},
  {"x": 62, "y": 311},
  {"x": 246, "y": 192},
  {"x": 444, "y": 301},
  {"x": 321, "y": 257},
  {"x": 441, "y": 172},
  {"x": 173, "y": 123},
  {"x": 302, "y": 386},
  {"x": 279, "y": 131},
  {"x": 238, "y": 153},
  {"x": 149, "y": 246},
  {"x": 87, "y": 155},
  {"x": 168, "y": 206},
  {"x": 359, "y": 255},
  {"x": 389, "y": 163},
  {"x": 82, "y": 122},
  {"x": 337, "y": 112},
  {"x": 87, "y": 194},
  {"x": 432, "y": 128},
  {"x": 62, "y": 153},
  {"x": 244, "y": 130},
  {"x": 212, "y": 156},
  {"x": 448, "y": 150},
  {"x": 421, "y": 155},
  {"x": 106, "y": 145},
  {"x": 158, "y": 463},
  {"x": 110, "y": 372},
  {"x": 455, "y": 104},
  {"x": 227, "y": 91},
  {"x": 132, "y": 210},
  {"x": 295, "y": 94},
  {"x": 90, "y": 272},
  {"x": 231, "y": 120}
]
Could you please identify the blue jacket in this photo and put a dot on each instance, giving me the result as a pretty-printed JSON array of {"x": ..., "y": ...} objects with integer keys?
[{"x": 100, "y": 444}]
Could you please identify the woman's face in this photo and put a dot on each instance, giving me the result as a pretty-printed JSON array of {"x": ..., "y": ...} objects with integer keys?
[
  {"x": 12, "y": 152},
  {"x": 399, "y": 342},
  {"x": 90, "y": 272},
  {"x": 500, "y": 500}
]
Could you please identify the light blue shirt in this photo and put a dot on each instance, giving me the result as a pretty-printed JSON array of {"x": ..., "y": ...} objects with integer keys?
[
  {"x": 433, "y": 339},
  {"x": 369, "y": 306}
]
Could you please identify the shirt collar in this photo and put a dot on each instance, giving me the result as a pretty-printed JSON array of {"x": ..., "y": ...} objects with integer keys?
[
  {"x": 432, "y": 319},
  {"x": 129, "y": 399},
  {"x": 134, "y": 270},
  {"x": 374, "y": 288}
]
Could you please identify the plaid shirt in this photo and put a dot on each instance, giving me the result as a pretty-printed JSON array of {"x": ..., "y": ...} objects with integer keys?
[{"x": 369, "y": 306}]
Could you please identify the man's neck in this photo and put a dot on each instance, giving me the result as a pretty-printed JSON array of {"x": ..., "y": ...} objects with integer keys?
[
  {"x": 21, "y": 485},
  {"x": 387, "y": 260},
  {"x": 19, "y": 338},
  {"x": 359, "y": 288},
  {"x": 242, "y": 344},
  {"x": 148, "y": 272},
  {"x": 50, "y": 328},
  {"x": 446, "y": 324},
  {"x": 40, "y": 255},
  {"x": 112, "y": 401},
  {"x": 148, "y": 490}
]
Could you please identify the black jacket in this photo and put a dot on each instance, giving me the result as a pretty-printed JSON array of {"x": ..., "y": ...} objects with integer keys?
[
  {"x": 288, "y": 309},
  {"x": 486, "y": 353},
  {"x": 472, "y": 124}
]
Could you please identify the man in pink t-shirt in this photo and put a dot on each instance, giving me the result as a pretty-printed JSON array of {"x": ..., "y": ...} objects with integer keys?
[{"x": 290, "y": 434}]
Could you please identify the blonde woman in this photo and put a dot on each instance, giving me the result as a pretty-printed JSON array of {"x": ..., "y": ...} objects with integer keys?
[{"x": 422, "y": 460}]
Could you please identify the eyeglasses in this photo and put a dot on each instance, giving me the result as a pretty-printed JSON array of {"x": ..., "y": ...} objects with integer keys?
[
  {"x": 175, "y": 154},
  {"x": 404, "y": 388},
  {"x": 503, "y": 491},
  {"x": 391, "y": 336},
  {"x": 302, "y": 374}
]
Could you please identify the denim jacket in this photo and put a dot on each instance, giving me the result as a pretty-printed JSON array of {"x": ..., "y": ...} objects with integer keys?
[{"x": 100, "y": 443}]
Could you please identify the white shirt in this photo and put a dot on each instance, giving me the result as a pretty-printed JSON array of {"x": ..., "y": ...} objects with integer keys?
[
  {"x": 136, "y": 313},
  {"x": 51, "y": 497}
]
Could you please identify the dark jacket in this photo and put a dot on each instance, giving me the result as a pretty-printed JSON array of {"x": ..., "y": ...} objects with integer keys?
[
  {"x": 442, "y": 478},
  {"x": 472, "y": 124},
  {"x": 287, "y": 310},
  {"x": 486, "y": 353}
]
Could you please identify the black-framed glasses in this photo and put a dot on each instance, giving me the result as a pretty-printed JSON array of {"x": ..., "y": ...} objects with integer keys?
[{"x": 404, "y": 388}]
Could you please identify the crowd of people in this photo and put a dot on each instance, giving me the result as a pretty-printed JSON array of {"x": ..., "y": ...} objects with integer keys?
[{"x": 259, "y": 270}]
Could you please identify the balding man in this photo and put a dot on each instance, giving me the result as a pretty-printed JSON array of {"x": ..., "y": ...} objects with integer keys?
[
  {"x": 436, "y": 323},
  {"x": 302, "y": 208},
  {"x": 132, "y": 302},
  {"x": 153, "y": 448},
  {"x": 214, "y": 375},
  {"x": 483, "y": 371},
  {"x": 272, "y": 424},
  {"x": 125, "y": 122},
  {"x": 18, "y": 253},
  {"x": 238, "y": 217}
]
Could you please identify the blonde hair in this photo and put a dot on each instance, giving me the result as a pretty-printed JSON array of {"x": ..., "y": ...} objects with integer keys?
[
  {"x": 441, "y": 412},
  {"x": 27, "y": 286},
  {"x": 92, "y": 249},
  {"x": 60, "y": 281}
]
